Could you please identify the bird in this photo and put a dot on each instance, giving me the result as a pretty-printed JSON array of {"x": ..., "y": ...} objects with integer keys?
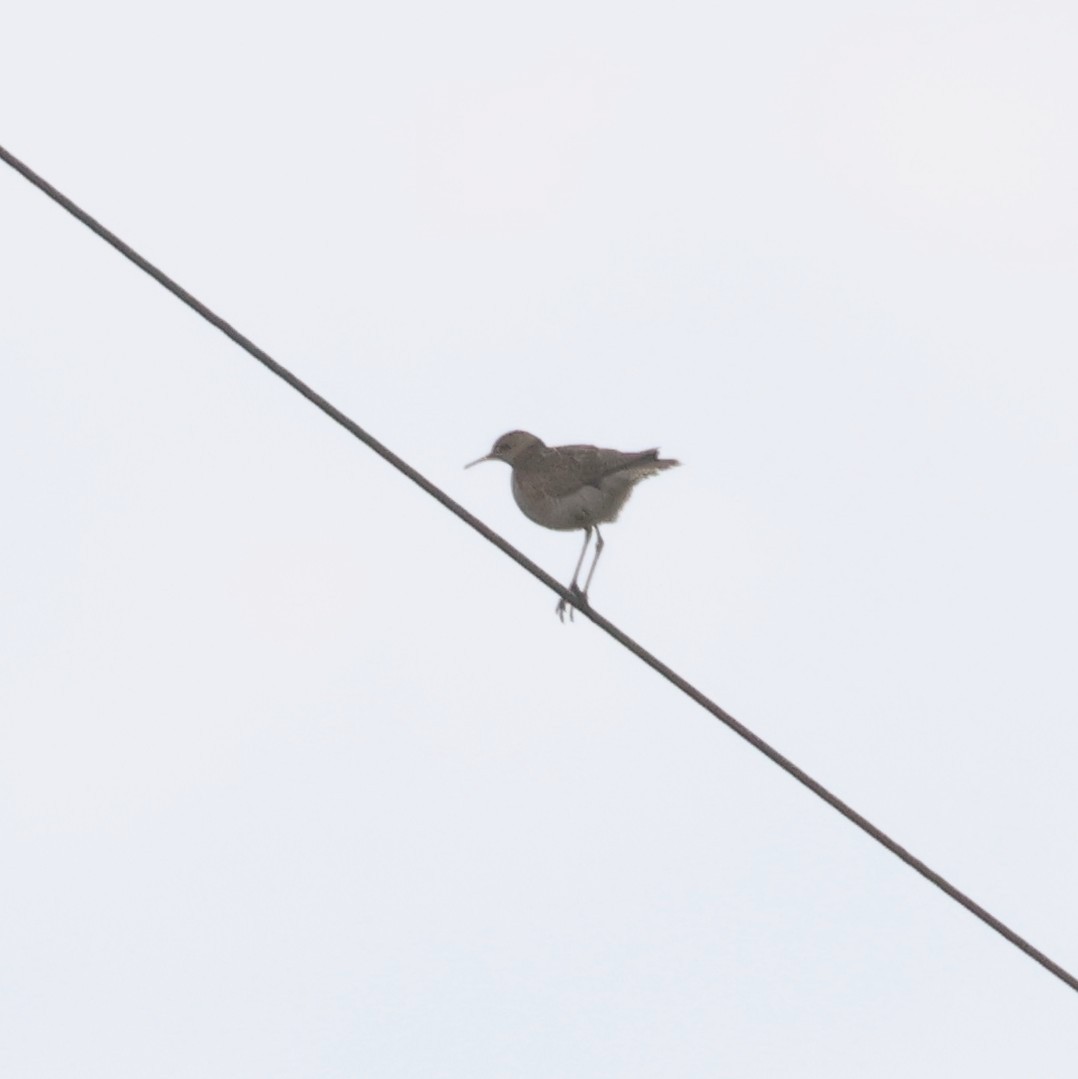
[{"x": 571, "y": 488}]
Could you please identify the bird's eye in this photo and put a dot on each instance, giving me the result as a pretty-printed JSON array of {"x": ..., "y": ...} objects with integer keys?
[{"x": 503, "y": 448}]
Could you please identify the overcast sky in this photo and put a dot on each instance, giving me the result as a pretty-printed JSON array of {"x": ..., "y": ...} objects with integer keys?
[{"x": 300, "y": 777}]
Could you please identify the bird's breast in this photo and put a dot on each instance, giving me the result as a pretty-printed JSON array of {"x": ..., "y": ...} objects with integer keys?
[{"x": 581, "y": 508}]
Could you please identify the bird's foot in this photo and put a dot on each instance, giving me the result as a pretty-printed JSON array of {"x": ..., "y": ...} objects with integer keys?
[{"x": 580, "y": 599}]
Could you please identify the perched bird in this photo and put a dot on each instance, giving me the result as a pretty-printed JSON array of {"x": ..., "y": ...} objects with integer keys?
[{"x": 572, "y": 487}]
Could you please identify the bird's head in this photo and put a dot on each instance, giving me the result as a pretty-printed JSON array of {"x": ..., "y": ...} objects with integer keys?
[{"x": 510, "y": 447}]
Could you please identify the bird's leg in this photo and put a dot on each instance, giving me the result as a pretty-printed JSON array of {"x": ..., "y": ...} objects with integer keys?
[
  {"x": 599, "y": 545},
  {"x": 563, "y": 606}
]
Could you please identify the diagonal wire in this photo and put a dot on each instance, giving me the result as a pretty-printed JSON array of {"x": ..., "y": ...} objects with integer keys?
[{"x": 622, "y": 638}]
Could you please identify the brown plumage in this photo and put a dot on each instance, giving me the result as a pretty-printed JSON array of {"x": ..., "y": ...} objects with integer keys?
[{"x": 573, "y": 487}]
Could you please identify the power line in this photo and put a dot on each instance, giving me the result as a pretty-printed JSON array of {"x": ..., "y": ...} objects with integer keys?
[{"x": 454, "y": 507}]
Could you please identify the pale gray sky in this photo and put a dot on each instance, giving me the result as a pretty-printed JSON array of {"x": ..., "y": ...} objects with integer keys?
[{"x": 298, "y": 777}]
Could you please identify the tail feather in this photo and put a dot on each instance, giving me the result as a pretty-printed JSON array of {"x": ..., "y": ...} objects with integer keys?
[{"x": 651, "y": 457}]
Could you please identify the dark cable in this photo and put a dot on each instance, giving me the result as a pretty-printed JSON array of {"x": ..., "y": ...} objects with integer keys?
[{"x": 638, "y": 650}]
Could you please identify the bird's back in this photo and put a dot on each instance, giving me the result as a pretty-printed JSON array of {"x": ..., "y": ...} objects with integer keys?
[{"x": 572, "y": 487}]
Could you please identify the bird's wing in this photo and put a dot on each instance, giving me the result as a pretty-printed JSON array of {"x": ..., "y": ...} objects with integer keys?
[{"x": 573, "y": 467}]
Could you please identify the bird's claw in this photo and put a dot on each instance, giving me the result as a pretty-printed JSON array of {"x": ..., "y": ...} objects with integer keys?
[{"x": 580, "y": 599}]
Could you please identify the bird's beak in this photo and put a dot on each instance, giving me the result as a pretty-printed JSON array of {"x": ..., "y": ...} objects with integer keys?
[{"x": 479, "y": 461}]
